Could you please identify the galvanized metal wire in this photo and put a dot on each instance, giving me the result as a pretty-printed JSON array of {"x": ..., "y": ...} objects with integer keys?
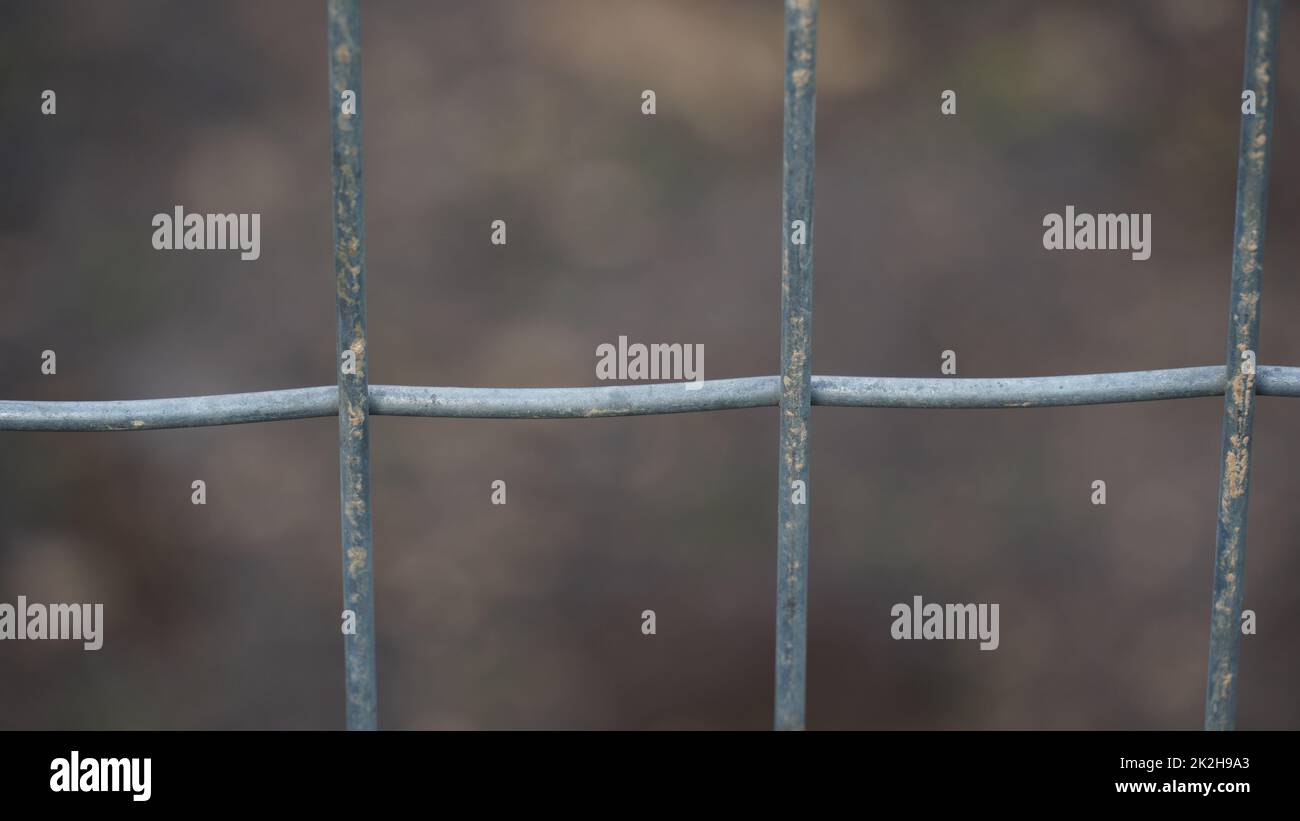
[
  {"x": 639, "y": 400},
  {"x": 796, "y": 362},
  {"x": 352, "y": 364},
  {"x": 1253, "y": 153}
]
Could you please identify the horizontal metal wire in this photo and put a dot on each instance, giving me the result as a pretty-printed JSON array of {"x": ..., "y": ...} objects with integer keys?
[{"x": 639, "y": 400}]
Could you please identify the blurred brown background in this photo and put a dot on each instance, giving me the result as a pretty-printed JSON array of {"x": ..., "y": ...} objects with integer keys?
[{"x": 665, "y": 229}]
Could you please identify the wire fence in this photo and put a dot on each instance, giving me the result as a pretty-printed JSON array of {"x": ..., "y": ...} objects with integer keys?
[{"x": 794, "y": 391}]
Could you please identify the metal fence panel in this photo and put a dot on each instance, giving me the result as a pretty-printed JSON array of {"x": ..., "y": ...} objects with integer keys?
[{"x": 793, "y": 391}]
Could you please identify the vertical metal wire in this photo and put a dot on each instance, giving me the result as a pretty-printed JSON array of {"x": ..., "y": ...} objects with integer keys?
[
  {"x": 796, "y": 363},
  {"x": 1243, "y": 336},
  {"x": 354, "y": 397}
]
